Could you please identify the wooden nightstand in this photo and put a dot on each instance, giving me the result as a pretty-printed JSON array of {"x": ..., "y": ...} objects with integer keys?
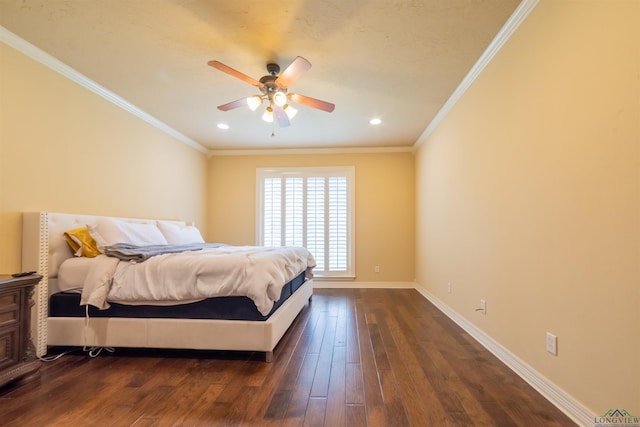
[{"x": 18, "y": 359}]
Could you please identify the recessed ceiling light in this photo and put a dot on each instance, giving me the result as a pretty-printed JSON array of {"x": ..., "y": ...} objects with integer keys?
[
  {"x": 375, "y": 121},
  {"x": 223, "y": 126}
]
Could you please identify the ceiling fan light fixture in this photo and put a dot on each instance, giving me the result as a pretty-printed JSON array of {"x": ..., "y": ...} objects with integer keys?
[
  {"x": 279, "y": 98},
  {"x": 290, "y": 111},
  {"x": 254, "y": 102},
  {"x": 268, "y": 115}
]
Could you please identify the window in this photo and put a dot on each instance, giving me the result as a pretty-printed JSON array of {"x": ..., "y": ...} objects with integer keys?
[{"x": 310, "y": 207}]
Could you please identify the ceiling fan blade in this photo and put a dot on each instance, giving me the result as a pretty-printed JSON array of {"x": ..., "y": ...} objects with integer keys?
[
  {"x": 312, "y": 102},
  {"x": 235, "y": 73},
  {"x": 281, "y": 116},
  {"x": 233, "y": 104},
  {"x": 293, "y": 72}
]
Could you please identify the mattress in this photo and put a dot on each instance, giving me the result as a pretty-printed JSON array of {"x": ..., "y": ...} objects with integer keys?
[{"x": 67, "y": 304}]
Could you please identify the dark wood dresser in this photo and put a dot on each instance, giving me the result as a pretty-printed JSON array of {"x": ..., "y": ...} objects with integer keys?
[{"x": 18, "y": 359}]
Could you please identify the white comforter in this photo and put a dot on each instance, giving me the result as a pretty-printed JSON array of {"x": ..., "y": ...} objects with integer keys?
[{"x": 255, "y": 272}]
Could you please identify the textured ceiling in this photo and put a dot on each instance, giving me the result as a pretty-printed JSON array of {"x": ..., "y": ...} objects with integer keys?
[{"x": 399, "y": 60}]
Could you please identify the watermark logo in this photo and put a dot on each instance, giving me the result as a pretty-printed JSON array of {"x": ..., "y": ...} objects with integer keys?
[{"x": 617, "y": 418}]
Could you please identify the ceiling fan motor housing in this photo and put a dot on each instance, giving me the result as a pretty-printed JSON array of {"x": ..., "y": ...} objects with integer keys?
[
  {"x": 270, "y": 86},
  {"x": 273, "y": 69}
]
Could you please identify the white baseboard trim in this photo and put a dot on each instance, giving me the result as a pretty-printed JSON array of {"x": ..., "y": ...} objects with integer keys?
[
  {"x": 322, "y": 283},
  {"x": 554, "y": 394}
]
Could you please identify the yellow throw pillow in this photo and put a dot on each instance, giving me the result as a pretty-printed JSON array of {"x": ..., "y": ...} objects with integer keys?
[{"x": 81, "y": 242}]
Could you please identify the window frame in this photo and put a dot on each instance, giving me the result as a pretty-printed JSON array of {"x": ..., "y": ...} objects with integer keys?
[{"x": 306, "y": 172}]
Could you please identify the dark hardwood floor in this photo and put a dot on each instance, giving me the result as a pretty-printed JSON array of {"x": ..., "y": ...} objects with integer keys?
[{"x": 353, "y": 357}]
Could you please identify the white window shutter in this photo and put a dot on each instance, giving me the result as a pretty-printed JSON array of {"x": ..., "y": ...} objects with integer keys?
[
  {"x": 272, "y": 221},
  {"x": 311, "y": 207}
]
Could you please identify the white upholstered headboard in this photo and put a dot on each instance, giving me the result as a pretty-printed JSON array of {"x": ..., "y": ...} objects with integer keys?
[{"x": 43, "y": 250}]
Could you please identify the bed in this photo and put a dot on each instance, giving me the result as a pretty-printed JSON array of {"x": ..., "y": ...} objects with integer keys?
[{"x": 146, "y": 325}]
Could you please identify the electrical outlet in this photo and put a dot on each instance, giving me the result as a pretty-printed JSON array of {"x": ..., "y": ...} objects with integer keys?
[
  {"x": 448, "y": 288},
  {"x": 376, "y": 269},
  {"x": 483, "y": 306},
  {"x": 552, "y": 344}
]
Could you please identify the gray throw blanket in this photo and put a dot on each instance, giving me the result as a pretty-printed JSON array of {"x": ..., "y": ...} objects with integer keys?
[{"x": 127, "y": 252}]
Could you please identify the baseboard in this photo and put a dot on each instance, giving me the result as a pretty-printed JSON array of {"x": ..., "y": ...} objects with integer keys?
[
  {"x": 554, "y": 394},
  {"x": 319, "y": 283}
]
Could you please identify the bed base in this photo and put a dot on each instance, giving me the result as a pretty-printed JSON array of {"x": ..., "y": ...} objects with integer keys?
[
  {"x": 193, "y": 334},
  {"x": 44, "y": 250}
]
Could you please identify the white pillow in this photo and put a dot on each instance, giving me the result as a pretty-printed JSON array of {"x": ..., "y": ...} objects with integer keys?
[
  {"x": 178, "y": 234},
  {"x": 109, "y": 231}
]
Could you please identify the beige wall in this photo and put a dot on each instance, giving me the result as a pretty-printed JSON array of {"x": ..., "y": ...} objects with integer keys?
[
  {"x": 528, "y": 195},
  {"x": 384, "y": 223},
  {"x": 65, "y": 149}
]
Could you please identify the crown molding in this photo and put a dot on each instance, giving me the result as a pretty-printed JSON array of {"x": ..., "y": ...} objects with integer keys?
[
  {"x": 285, "y": 151},
  {"x": 58, "y": 66},
  {"x": 518, "y": 16}
]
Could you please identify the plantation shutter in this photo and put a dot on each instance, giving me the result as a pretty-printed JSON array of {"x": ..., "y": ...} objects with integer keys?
[{"x": 311, "y": 208}]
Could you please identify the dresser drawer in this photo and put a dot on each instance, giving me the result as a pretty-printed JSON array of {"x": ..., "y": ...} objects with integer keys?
[
  {"x": 9, "y": 351},
  {"x": 9, "y": 308}
]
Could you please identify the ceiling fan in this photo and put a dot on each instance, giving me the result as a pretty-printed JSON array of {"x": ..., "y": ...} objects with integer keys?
[{"x": 273, "y": 88}]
